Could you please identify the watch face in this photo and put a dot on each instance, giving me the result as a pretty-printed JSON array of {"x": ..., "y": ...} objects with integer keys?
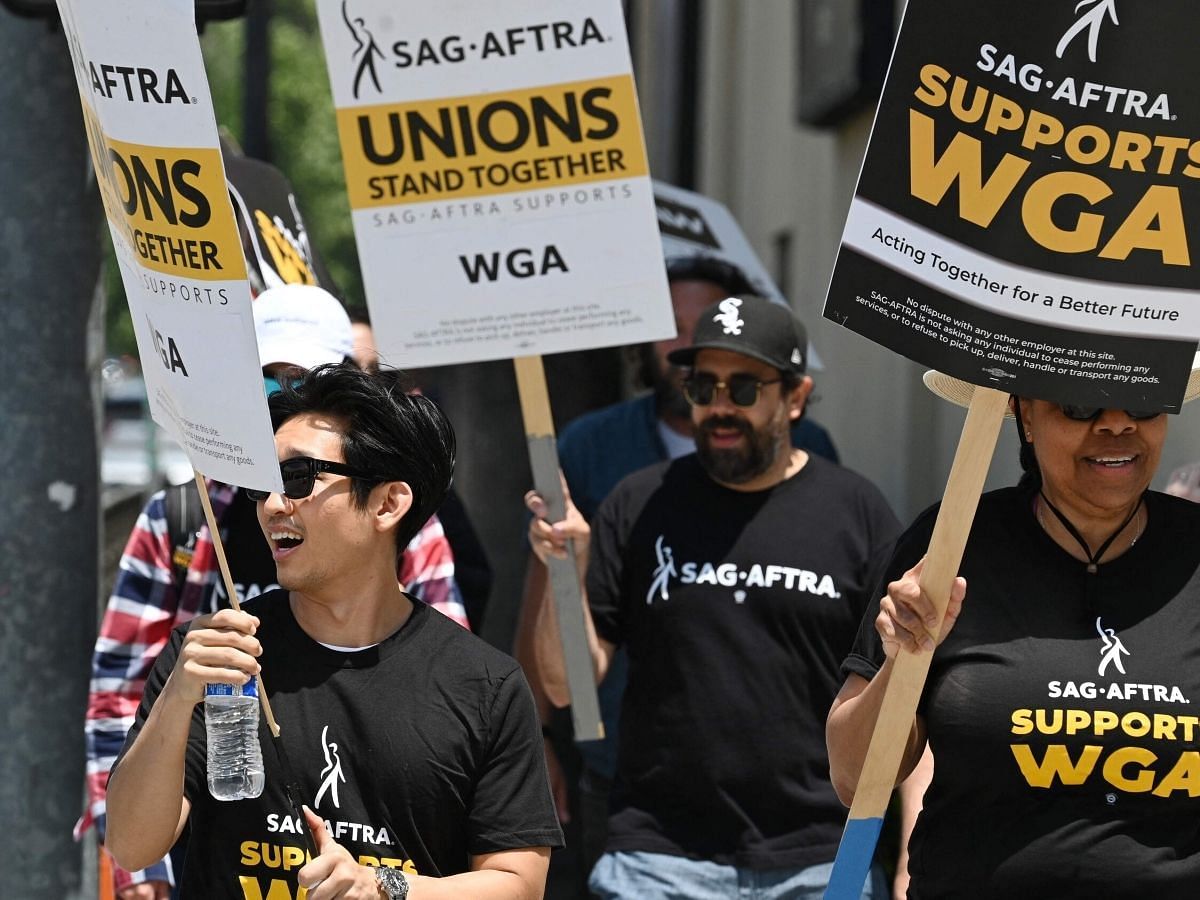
[{"x": 393, "y": 883}]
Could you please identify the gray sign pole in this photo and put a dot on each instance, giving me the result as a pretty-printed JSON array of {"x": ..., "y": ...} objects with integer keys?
[{"x": 564, "y": 576}]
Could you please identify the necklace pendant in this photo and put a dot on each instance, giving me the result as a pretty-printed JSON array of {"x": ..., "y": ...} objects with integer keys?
[{"x": 1091, "y": 568}]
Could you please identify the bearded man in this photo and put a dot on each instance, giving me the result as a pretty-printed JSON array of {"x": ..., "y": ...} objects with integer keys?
[{"x": 734, "y": 578}]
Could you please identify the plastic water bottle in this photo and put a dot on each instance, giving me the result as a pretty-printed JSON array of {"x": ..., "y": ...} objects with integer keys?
[{"x": 235, "y": 765}]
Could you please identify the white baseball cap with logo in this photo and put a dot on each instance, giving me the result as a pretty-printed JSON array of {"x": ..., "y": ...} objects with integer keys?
[{"x": 301, "y": 324}]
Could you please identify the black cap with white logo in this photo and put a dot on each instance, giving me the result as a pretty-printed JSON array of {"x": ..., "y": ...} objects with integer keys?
[{"x": 754, "y": 327}]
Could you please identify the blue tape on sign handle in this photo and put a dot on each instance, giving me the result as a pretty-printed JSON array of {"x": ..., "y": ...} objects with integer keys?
[{"x": 853, "y": 863}]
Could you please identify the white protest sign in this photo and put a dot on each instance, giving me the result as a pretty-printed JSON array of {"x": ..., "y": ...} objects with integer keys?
[
  {"x": 153, "y": 136},
  {"x": 497, "y": 177},
  {"x": 692, "y": 224}
]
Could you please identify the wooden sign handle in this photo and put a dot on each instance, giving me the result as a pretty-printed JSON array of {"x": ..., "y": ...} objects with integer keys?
[
  {"x": 971, "y": 462},
  {"x": 290, "y": 784},
  {"x": 564, "y": 575},
  {"x": 230, "y": 590}
]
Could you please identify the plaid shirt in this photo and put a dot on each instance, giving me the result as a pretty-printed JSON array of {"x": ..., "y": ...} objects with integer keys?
[{"x": 145, "y": 607}]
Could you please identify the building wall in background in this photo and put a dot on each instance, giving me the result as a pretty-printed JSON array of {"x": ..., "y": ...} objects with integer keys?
[{"x": 790, "y": 187}]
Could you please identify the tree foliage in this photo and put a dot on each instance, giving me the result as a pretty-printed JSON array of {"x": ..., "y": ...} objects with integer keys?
[{"x": 302, "y": 128}]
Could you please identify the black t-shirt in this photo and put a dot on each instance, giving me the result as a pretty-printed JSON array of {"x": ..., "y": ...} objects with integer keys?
[
  {"x": 246, "y": 551},
  {"x": 418, "y": 752},
  {"x": 1059, "y": 712},
  {"x": 736, "y": 609}
]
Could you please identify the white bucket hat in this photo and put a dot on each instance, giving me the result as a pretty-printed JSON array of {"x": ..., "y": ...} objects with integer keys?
[
  {"x": 301, "y": 324},
  {"x": 959, "y": 392}
]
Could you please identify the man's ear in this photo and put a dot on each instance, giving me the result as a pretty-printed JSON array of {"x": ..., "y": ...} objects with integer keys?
[
  {"x": 799, "y": 397},
  {"x": 390, "y": 502}
]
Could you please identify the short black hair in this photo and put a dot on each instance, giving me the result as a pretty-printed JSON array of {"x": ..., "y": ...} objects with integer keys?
[
  {"x": 394, "y": 435},
  {"x": 720, "y": 272}
]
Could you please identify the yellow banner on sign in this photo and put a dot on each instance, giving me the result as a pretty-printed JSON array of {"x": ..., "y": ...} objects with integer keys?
[
  {"x": 171, "y": 204},
  {"x": 475, "y": 146}
]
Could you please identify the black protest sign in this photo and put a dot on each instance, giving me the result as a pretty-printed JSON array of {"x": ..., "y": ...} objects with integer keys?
[
  {"x": 274, "y": 237},
  {"x": 1026, "y": 217}
]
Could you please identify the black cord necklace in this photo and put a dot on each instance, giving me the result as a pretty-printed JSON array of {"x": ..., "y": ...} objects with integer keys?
[{"x": 1092, "y": 558}]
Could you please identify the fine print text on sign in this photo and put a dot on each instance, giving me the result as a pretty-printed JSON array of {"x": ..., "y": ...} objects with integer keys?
[
  {"x": 497, "y": 177},
  {"x": 1024, "y": 218}
]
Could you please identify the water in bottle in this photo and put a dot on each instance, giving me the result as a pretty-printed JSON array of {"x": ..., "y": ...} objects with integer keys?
[{"x": 235, "y": 765}]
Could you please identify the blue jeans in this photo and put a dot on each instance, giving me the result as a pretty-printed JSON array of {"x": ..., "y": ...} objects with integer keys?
[{"x": 659, "y": 876}]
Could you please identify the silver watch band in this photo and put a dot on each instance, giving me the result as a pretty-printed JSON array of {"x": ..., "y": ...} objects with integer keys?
[{"x": 392, "y": 882}]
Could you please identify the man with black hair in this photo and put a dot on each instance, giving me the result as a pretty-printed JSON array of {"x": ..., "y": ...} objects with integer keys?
[
  {"x": 734, "y": 578},
  {"x": 443, "y": 792},
  {"x": 169, "y": 572},
  {"x": 600, "y": 448}
]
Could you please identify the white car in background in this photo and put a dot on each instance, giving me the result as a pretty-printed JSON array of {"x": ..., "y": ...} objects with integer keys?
[{"x": 134, "y": 451}]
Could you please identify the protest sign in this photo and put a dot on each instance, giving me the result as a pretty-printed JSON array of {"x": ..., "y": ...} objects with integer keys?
[
  {"x": 1020, "y": 223},
  {"x": 153, "y": 137},
  {"x": 692, "y": 224},
  {"x": 276, "y": 239},
  {"x": 1022, "y": 220},
  {"x": 497, "y": 177},
  {"x": 502, "y": 205}
]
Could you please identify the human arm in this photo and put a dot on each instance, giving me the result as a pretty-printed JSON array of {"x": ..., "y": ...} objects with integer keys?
[
  {"x": 907, "y": 620},
  {"x": 548, "y": 540},
  {"x": 147, "y": 807},
  {"x": 504, "y": 875},
  {"x": 523, "y": 650},
  {"x": 145, "y": 605},
  {"x": 912, "y": 798}
]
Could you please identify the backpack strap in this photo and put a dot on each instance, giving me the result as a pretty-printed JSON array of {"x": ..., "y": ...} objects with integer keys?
[{"x": 185, "y": 516}]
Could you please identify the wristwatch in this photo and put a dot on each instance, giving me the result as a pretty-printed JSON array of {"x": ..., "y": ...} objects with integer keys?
[{"x": 392, "y": 882}]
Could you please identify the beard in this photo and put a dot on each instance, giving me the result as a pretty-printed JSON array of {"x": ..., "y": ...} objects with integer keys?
[{"x": 743, "y": 463}]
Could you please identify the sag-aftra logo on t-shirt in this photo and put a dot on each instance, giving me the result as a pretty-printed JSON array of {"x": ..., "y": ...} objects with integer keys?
[
  {"x": 286, "y": 858},
  {"x": 1112, "y": 740},
  {"x": 731, "y": 575}
]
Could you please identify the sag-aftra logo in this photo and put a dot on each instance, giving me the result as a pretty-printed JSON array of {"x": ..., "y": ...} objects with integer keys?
[
  {"x": 137, "y": 84},
  {"x": 1125, "y": 740},
  {"x": 448, "y": 49},
  {"x": 757, "y": 575}
]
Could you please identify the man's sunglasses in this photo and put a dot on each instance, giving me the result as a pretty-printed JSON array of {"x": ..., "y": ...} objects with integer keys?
[
  {"x": 1091, "y": 413},
  {"x": 300, "y": 474},
  {"x": 701, "y": 389}
]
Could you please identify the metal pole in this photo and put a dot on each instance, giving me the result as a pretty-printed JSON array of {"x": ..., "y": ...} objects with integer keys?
[
  {"x": 257, "y": 89},
  {"x": 49, "y": 259}
]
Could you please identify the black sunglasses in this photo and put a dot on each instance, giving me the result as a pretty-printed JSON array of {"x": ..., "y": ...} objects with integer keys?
[
  {"x": 701, "y": 389},
  {"x": 300, "y": 474},
  {"x": 1091, "y": 413}
]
